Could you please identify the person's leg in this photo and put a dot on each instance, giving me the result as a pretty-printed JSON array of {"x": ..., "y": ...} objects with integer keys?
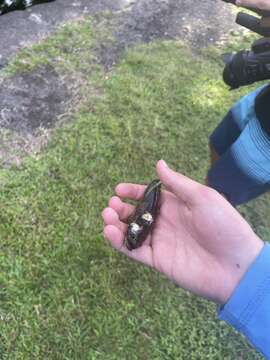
[
  {"x": 214, "y": 156},
  {"x": 222, "y": 138},
  {"x": 242, "y": 173},
  {"x": 230, "y": 128}
]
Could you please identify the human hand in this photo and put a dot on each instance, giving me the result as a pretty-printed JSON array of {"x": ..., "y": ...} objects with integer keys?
[
  {"x": 257, "y": 4},
  {"x": 199, "y": 240}
]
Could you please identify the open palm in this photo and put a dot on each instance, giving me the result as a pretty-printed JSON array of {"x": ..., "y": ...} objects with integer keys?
[{"x": 199, "y": 240}]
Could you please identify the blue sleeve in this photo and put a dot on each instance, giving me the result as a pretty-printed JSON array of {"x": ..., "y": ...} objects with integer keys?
[{"x": 248, "y": 309}]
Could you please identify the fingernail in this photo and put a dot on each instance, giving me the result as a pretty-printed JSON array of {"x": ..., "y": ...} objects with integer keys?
[{"x": 164, "y": 163}]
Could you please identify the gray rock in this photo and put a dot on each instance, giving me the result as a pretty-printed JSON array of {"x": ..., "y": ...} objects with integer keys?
[{"x": 21, "y": 28}]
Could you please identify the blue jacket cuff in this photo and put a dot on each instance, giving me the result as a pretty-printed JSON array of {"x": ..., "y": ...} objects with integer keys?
[{"x": 248, "y": 309}]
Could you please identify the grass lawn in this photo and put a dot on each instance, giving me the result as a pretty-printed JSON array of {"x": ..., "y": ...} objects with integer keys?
[{"x": 64, "y": 293}]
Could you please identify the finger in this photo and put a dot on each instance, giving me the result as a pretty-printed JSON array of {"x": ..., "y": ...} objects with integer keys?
[
  {"x": 180, "y": 185},
  {"x": 253, "y": 4},
  {"x": 116, "y": 238},
  {"x": 130, "y": 191},
  {"x": 111, "y": 217},
  {"x": 123, "y": 210},
  {"x": 241, "y": 2},
  {"x": 143, "y": 254}
]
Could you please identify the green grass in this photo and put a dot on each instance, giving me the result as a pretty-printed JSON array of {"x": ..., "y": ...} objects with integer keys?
[{"x": 64, "y": 293}]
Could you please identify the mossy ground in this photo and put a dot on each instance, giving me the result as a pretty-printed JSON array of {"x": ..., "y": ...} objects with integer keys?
[{"x": 65, "y": 294}]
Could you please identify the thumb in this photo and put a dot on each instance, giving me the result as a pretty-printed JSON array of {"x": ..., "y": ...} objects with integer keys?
[{"x": 180, "y": 185}]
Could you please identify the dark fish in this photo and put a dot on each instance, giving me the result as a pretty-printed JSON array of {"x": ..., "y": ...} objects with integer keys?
[{"x": 142, "y": 221}]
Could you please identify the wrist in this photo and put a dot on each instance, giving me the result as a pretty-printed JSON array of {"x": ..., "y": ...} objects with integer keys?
[{"x": 239, "y": 268}]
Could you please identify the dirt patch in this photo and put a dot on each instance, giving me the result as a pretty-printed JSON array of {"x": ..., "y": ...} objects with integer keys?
[
  {"x": 30, "y": 106},
  {"x": 32, "y": 100},
  {"x": 15, "y": 146}
]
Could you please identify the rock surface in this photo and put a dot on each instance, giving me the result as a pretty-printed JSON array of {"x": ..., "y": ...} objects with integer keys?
[
  {"x": 199, "y": 22},
  {"x": 22, "y": 28}
]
